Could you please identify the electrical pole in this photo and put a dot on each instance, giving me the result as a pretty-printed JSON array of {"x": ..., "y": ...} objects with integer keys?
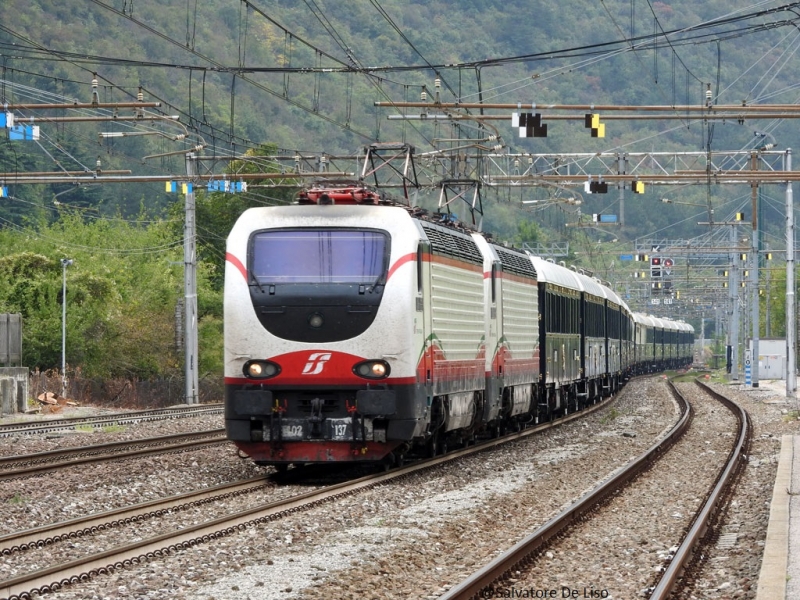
[
  {"x": 754, "y": 308},
  {"x": 733, "y": 326},
  {"x": 190, "y": 286},
  {"x": 621, "y": 170},
  {"x": 791, "y": 380},
  {"x": 65, "y": 262}
]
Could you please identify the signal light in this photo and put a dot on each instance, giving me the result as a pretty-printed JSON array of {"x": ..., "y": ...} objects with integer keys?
[
  {"x": 740, "y": 216},
  {"x": 637, "y": 187},
  {"x": 592, "y": 121}
]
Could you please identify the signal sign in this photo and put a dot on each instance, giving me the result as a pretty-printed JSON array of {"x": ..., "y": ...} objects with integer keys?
[
  {"x": 592, "y": 122},
  {"x": 529, "y": 124}
]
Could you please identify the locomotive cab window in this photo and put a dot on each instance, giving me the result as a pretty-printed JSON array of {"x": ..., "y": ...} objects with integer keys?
[
  {"x": 319, "y": 256},
  {"x": 317, "y": 284}
]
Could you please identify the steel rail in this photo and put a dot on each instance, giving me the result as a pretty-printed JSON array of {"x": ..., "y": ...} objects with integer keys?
[
  {"x": 43, "y": 535},
  {"x": 523, "y": 553},
  {"x": 702, "y": 521},
  {"x": 84, "y": 454},
  {"x": 39, "y": 426},
  {"x": 55, "y": 577}
]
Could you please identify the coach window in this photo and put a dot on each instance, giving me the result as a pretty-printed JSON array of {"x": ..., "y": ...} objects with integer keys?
[
  {"x": 419, "y": 267},
  {"x": 494, "y": 281}
]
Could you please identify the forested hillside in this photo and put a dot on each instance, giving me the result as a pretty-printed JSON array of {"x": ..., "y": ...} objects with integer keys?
[{"x": 290, "y": 77}]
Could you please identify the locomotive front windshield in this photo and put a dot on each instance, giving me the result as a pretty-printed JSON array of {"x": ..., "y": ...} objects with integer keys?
[{"x": 319, "y": 256}]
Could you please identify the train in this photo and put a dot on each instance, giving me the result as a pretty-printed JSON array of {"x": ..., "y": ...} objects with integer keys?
[{"x": 359, "y": 330}]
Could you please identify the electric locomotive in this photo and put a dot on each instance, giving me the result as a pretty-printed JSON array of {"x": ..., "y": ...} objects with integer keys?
[{"x": 361, "y": 331}]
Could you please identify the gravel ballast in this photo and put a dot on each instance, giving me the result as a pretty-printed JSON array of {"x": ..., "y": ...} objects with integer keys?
[{"x": 411, "y": 538}]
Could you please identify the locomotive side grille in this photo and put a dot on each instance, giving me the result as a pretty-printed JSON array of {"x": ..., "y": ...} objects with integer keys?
[
  {"x": 452, "y": 243},
  {"x": 521, "y": 317},
  {"x": 516, "y": 263}
]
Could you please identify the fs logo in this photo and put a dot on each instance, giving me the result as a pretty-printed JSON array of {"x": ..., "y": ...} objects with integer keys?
[{"x": 316, "y": 362}]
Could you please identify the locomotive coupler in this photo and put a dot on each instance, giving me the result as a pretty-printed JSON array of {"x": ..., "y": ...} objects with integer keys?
[
  {"x": 276, "y": 433},
  {"x": 315, "y": 419}
]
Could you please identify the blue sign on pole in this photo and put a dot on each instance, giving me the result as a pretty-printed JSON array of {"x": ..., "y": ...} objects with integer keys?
[
  {"x": 748, "y": 380},
  {"x": 626, "y": 256},
  {"x": 608, "y": 218}
]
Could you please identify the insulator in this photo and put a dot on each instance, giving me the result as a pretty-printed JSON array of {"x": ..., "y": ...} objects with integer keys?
[
  {"x": 516, "y": 163},
  {"x": 94, "y": 82},
  {"x": 140, "y": 96},
  {"x": 497, "y": 147},
  {"x": 180, "y": 136},
  {"x": 99, "y": 164},
  {"x": 492, "y": 138},
  {"x": 437, "y": 83},
  {"x": 423, "y": 96}
]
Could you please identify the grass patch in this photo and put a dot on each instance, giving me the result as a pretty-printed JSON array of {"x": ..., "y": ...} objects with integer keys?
[
  {"x": 104, "y": 429},
  {"x": 114, "y": 428},
  {"x": 612, "y": 414},
  {"x": 17, "y": 499}
]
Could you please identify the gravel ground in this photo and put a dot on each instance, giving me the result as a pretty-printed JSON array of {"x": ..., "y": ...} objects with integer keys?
[
  {"x": 82, "y": 490},
  {"x": 733, "y": 564},
  {"x": 411, "y": 538},
  {"x": 619, "y": 549},
  {"x": 408, "y": 538}
]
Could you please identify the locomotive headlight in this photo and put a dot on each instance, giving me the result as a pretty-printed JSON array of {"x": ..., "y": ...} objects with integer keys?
[
  {"x": 260, "y": 369},
  {"x": 372, "y": 369},
  {"x": 315, "y": 320}
]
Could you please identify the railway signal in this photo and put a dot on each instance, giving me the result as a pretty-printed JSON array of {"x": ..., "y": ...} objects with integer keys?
[{"x": 655, "y": 267}]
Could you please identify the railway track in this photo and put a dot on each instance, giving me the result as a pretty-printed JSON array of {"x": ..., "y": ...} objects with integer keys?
[
  {"x": 74, "y": 572},
  {"x": 26, "y": 465},
  {"x": 31, "y": 427},
  {"x": 504, "y": 573}
]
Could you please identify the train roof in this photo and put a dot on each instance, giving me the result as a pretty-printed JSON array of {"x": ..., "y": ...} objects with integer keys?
[
  {"x": 643, "y": 319},
  {"x": 549, "y": 272},
  {"x": 590, "y": 285}
]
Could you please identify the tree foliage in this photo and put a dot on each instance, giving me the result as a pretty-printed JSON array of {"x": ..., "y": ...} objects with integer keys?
[{"x": 122, "y": 290}]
